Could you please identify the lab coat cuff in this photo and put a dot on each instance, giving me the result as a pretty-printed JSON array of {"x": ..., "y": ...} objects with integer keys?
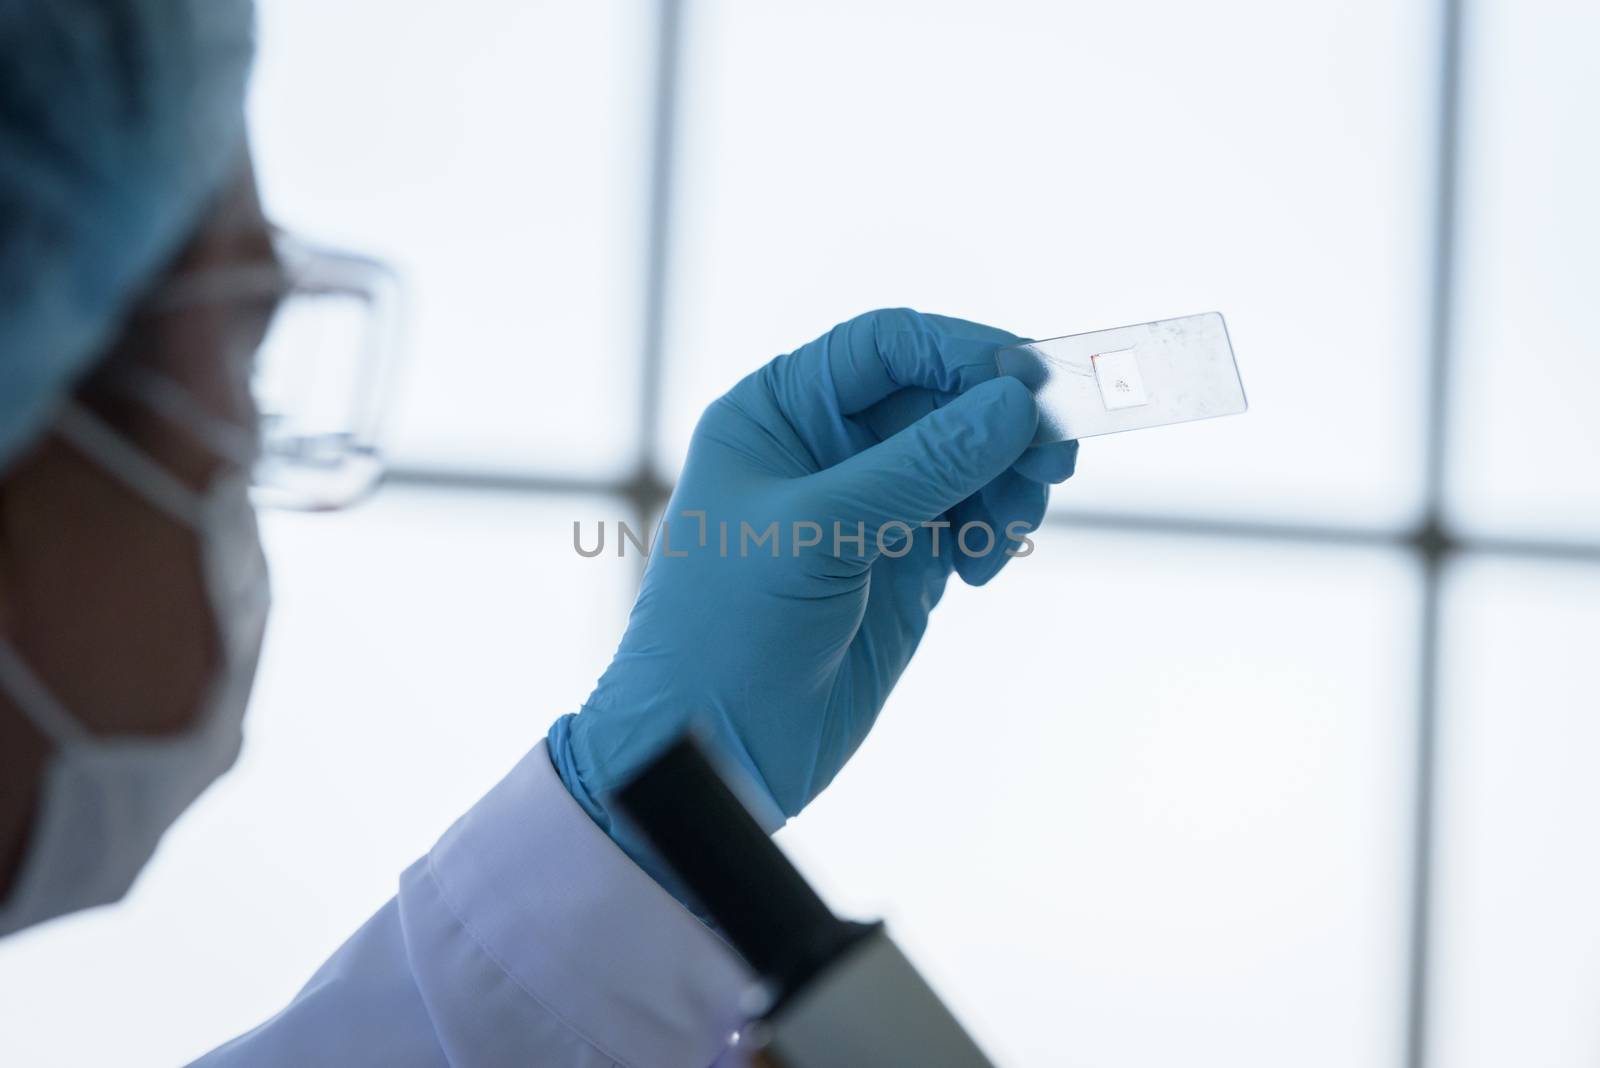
[{"x": 546, "y": 897}]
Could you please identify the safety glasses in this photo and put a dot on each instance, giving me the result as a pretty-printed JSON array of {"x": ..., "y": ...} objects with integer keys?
[{"x": 315, "y": 337}]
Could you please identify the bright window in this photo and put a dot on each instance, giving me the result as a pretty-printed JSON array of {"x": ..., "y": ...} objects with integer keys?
[{"x": 1274, "y": 752}]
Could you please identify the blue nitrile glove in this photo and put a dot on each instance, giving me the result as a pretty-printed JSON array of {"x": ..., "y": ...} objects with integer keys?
[{"x": 888, "y": 422}]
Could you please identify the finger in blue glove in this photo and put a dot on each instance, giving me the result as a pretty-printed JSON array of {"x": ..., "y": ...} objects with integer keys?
[{"x": 886, "y": 430}]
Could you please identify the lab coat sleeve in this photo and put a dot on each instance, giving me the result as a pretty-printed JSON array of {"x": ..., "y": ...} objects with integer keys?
[{"x": 525, "y": 937}]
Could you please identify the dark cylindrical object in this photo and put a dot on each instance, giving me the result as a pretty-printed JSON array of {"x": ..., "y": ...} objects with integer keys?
[{"x": 745, "y": 884}]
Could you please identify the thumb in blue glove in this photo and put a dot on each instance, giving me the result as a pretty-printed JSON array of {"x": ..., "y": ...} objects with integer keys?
[{"x": 817, "y": 520}]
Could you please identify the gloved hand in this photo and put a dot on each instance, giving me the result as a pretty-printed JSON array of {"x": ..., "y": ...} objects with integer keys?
[{"x": 781, "y": 652}]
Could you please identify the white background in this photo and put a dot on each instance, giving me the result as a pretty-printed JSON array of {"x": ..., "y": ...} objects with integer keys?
[{"x": 1146, "y": 799}]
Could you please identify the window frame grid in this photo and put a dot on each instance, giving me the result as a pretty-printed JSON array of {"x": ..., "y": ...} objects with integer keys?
[{"x": 1431, "y": 542}]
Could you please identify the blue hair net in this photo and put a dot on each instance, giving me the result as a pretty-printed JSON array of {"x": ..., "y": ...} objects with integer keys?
[{"x": 119, "y": 121}]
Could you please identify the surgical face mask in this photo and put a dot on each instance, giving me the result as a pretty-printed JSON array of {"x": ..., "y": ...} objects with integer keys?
[{"x": 105, "y": 802}]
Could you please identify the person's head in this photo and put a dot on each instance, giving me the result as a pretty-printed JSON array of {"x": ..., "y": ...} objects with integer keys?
[{"x": 131, "y": 592}]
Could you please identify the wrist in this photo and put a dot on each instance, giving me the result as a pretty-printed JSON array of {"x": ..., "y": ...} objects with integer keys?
[
  {"x": 559, "y": 744},
  {"x": 631, "y": 717},
  {"x": 571, "y": 743}
]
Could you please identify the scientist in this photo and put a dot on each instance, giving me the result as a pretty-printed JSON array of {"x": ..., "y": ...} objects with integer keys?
[{"x": 137, "y": 277}]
